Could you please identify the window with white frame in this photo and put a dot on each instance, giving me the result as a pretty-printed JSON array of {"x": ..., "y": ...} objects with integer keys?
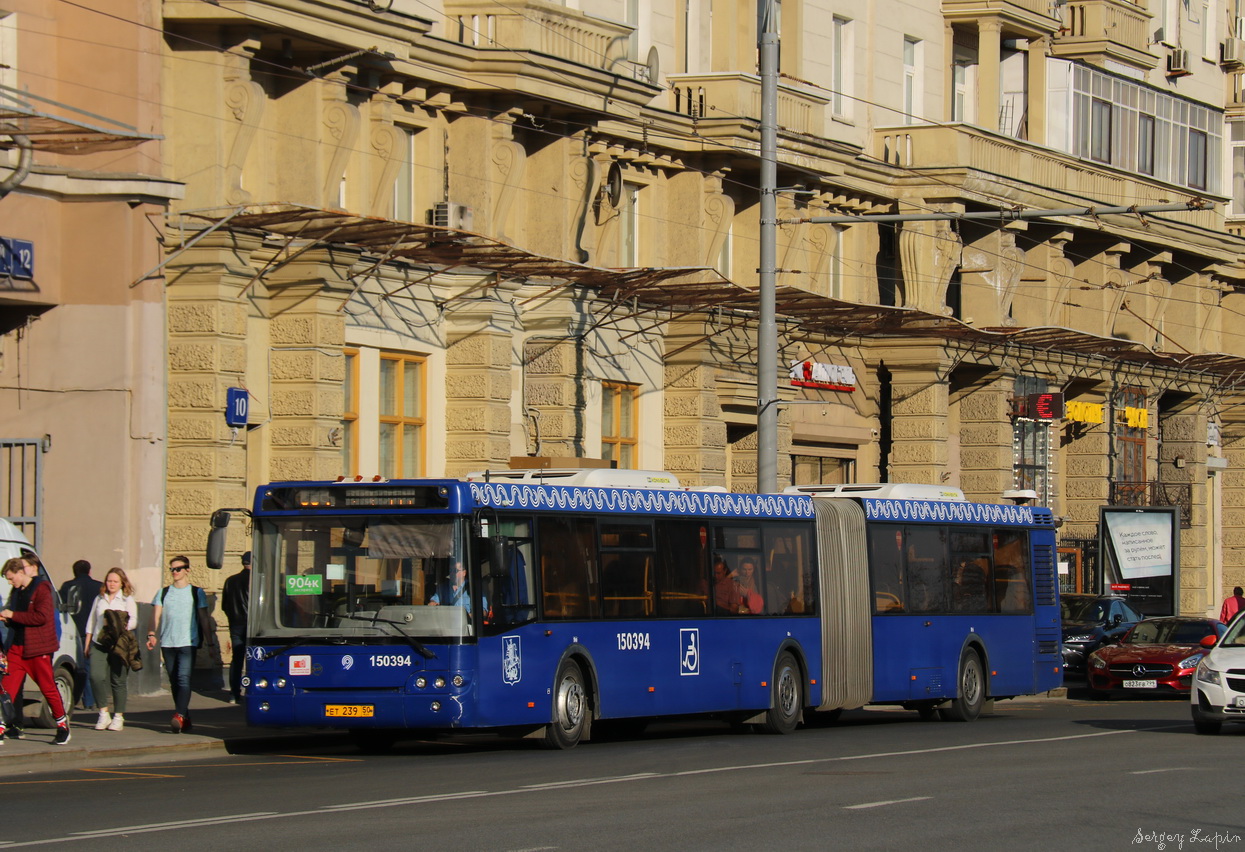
[
  {"x": 841, "y": 67},
  {"x": 1237, "y": 129},
  {"x": 964, "y": 85},
  {"x": 1138, "y": 129},
  {"x": 913, "y": 106},
  {"x": 404, "y": 181},
  {"x": 8, "y": 50}
]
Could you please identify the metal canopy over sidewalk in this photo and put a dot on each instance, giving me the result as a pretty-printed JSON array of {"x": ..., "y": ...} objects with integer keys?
[
  {"x": 680, "y": 290},
  {"x": 59, "y": 128}
]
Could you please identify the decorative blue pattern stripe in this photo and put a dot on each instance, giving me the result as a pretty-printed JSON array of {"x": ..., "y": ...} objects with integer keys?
[
  {"x": 936, "y": 511},
  {"x": 562, "y": 498}
]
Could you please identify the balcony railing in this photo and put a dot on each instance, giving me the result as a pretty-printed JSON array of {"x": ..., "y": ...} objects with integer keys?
[
  {"x": 542, "y": 27},
  {"x": 1098, "y": 30},
  {"x": 1179, "y": 494},
  {"x": 967, "y": 147},
  {"x": 738, "y": 96}
]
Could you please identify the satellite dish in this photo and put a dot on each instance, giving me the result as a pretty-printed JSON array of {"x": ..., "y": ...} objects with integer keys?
[
  {"x": 652, "y": 68},
  {"x": 613, "y": 186}
]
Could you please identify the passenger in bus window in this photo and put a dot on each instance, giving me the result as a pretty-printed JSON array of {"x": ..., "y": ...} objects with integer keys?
[
  {"x": 751, "y": 602},
  {"x": 780, "y": 586},
  {"x": 726, "y": 595}
]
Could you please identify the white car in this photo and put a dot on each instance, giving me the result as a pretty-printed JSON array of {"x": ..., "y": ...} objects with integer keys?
[
  {"x": 1218, "y": 693},
  {"x": 66, "y": 662}
]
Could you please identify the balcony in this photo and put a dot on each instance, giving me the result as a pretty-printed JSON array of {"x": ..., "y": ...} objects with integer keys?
[
  {"x": 736, "y": 98},
  {"x": 1178, "y": 494},
  {"x": 1097, "y": 31},
  {"x": 1028, "y": 174},
  {"x": 1027, "y": 16},
  {"x": 540, "y": 26}
]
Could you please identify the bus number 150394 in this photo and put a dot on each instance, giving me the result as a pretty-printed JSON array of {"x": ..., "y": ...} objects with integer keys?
[{"x": 633, "y": 642}]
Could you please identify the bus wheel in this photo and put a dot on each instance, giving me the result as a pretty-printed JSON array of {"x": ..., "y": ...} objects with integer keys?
[
  {"x": 570, "y": 707},
  {"x": 788, "y": 697},
  {"x": 972, "y": 689}
]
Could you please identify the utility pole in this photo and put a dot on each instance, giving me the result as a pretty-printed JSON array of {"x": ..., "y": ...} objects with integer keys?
[{"x": 767, "y": 330}]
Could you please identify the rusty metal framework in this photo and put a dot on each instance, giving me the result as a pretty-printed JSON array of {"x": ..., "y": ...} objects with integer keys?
[
  {"x": 58, "y": 128},
  {"x": 680, "y": 291}
]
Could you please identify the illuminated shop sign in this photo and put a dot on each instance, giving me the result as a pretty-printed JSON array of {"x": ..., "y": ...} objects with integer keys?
[{"x": 1084, "y": 412}]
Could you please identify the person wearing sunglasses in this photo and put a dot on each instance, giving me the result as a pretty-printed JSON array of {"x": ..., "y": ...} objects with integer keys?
[{"x": 180, "y": 624}]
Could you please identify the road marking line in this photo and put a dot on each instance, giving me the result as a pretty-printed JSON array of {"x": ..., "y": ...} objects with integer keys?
[
  {"x": 472, "y": 794},
  {"x": 586, "y": 782},
  {"x": 138, "y": 774},
  {"x": 883, "y": 804},
  {"x": 1156, "y": 771}
]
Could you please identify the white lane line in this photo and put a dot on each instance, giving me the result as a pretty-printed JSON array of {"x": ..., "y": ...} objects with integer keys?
[
  {"x": 884, "y": 804},
  {"x": 471, "y": 794},
  {"x": 588, "y": 782},
  {"x": 1156, "y": 771}
]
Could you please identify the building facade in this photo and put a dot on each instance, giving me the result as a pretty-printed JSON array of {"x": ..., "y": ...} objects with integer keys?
[
  {"x": 82, "y": 201},
  {"x": 429, "y": 237}
]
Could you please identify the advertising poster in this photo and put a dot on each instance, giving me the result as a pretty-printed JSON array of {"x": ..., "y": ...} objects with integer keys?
[{"x": 1142, "y": 553}]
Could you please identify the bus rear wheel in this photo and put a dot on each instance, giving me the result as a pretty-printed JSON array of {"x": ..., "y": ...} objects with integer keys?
[
  {"x": 788, "y": 697},
  {"x": 972, "y": 690},
  {"x": 570, "y": 708}
]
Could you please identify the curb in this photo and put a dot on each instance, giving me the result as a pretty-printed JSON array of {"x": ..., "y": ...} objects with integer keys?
[{"x": 58, "y": 760}]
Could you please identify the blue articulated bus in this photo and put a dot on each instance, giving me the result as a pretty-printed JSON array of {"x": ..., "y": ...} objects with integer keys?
[{"x": 540, "y": 603}]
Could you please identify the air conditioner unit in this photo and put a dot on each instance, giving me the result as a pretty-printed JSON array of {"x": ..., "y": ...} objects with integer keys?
[
  {"x": 1232, "y": 52},
  {"x": 1178, "y": 63},
  {"x": 447, "y": 214}
]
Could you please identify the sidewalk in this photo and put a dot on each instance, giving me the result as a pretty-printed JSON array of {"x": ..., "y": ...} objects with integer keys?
[{"x": 219, "y": 727}]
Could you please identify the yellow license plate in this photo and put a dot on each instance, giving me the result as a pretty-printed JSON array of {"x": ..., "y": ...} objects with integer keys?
[{"x": 350, "y": 711}]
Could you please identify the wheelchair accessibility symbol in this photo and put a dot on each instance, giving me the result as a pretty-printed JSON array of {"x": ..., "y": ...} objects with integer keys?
[{"x": 689, "y": 645}]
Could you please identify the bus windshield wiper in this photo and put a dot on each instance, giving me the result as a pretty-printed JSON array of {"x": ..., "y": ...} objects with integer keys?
[
  {"x": 417, "y": 646},
  {"x": 302, "y": 640}
]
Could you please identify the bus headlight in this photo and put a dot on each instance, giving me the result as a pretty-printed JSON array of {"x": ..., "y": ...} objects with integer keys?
[
  {"x": 280, "y": 683},
  {"x": 421, "y": 682},
  {"x": 262, "y": 683},
  {"x": 458, "y": 680},
  {"x": 264, "y": 707},
  {"x": 439, "y": 683}
]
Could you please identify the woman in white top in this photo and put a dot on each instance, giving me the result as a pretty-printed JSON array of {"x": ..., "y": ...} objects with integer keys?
[{"x": 108, "y": 673}]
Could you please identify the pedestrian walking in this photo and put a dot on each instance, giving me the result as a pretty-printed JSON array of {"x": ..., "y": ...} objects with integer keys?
[
  {"x": 179, "y": 625},
  {"x": 109, "y": 672},
  {"x": 236, "y": 600},
  {"x": 80, "y": 594},
  {"x": 1232, "y": 605},
  {"x": 31, "y": 618}
]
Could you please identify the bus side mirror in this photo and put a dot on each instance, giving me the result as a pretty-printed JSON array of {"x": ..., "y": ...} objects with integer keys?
[{"x": 217, "y": 538}]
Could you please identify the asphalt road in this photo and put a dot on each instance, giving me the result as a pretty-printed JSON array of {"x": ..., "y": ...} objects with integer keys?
[{"x": 1037, "y": 774}]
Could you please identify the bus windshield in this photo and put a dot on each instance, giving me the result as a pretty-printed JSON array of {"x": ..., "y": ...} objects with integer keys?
[{"x": 399, "y": 576}]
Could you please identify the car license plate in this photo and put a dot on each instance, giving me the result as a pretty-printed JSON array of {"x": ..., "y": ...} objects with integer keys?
[
  {"x": 351, "y": 711},
  {"x": 1140, "y": 684}
]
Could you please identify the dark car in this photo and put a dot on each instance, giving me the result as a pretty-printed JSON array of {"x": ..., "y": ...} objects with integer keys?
[
  {"x": 1089, "y": 622},
  {"x": 1157, "y": 657}
]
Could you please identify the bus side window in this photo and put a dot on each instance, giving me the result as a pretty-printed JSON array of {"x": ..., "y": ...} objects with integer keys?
[
  {"x": 682, "y": 578},
  {"x": 886, "y": 567},
  {"x": 568, "y": 567},
  {"x": 925, "y": 568}
]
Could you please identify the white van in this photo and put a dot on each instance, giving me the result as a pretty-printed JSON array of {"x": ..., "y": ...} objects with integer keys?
[{"x": 66, "y": 663}]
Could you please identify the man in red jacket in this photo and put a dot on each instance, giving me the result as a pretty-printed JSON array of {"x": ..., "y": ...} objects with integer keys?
[{"x": 31, "y": 618}]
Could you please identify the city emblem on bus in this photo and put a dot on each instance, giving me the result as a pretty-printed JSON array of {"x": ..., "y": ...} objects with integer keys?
[
  {"x": 511, "y": 659},
  {"x": 347, "y": 662},
  {"x": 300, "y": 664},
  {"x": 689, "y": 651}
]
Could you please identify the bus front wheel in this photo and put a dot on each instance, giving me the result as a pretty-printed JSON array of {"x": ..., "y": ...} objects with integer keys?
[
  {"x": 972, "y": 690},
  {"x": 788, "y": 697},
  {"x": 570, "y": 707}
]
